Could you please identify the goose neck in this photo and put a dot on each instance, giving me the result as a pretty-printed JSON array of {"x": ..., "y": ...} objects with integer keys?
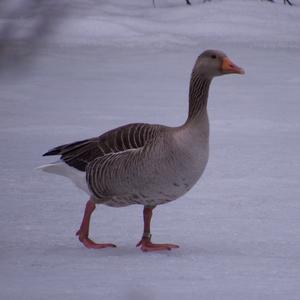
[{"x": 198, "y": 95}]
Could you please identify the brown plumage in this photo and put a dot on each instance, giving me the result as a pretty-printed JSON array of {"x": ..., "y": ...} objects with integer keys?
[{"x": 80, "y": 154}]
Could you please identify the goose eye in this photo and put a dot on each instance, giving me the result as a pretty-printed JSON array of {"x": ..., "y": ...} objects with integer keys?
[{"x": 213, "y": 56}]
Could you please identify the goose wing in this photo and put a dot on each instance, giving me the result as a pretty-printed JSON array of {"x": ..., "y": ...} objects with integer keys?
[{"x": 132, "y": 136}]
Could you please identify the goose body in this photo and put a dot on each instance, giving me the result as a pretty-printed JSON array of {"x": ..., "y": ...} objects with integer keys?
[
  {"x": 159, "y": 172},
  {"x": 143, "y": 163},
  {"x": 165, "y": 168}
]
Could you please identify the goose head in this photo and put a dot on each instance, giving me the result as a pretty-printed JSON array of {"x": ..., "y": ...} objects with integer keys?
[{"x": 213, "y": 63}]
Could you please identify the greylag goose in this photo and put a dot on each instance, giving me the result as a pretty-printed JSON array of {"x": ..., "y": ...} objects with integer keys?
[{"x": 143, "y": 163}]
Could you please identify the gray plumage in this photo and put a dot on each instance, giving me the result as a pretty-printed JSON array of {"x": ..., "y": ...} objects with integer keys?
[{"x": 142, "y": 163}]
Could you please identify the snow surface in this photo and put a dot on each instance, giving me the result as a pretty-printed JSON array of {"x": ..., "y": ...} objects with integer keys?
[{"x": 109, "y": 64}]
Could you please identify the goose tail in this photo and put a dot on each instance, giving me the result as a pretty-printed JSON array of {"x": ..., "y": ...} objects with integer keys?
[{"x": 62, "y": 169}]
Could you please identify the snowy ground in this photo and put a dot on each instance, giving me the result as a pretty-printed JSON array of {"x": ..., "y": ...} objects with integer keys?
[{"x": 239, "y": 228}]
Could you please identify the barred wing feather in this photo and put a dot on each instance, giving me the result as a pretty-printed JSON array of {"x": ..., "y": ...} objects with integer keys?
[{"x": 80, "y": 154}]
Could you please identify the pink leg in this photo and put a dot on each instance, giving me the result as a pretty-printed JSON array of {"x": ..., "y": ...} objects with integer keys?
[
  {"x": 83, "y": 232},
  {"x": 145, "y": 242}
]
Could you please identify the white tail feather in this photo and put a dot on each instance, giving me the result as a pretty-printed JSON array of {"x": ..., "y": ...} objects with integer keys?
[{"x": 61, "y": 168}]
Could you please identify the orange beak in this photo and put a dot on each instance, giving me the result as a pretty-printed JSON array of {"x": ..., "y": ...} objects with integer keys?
[{"x": 229, "y": 67}]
